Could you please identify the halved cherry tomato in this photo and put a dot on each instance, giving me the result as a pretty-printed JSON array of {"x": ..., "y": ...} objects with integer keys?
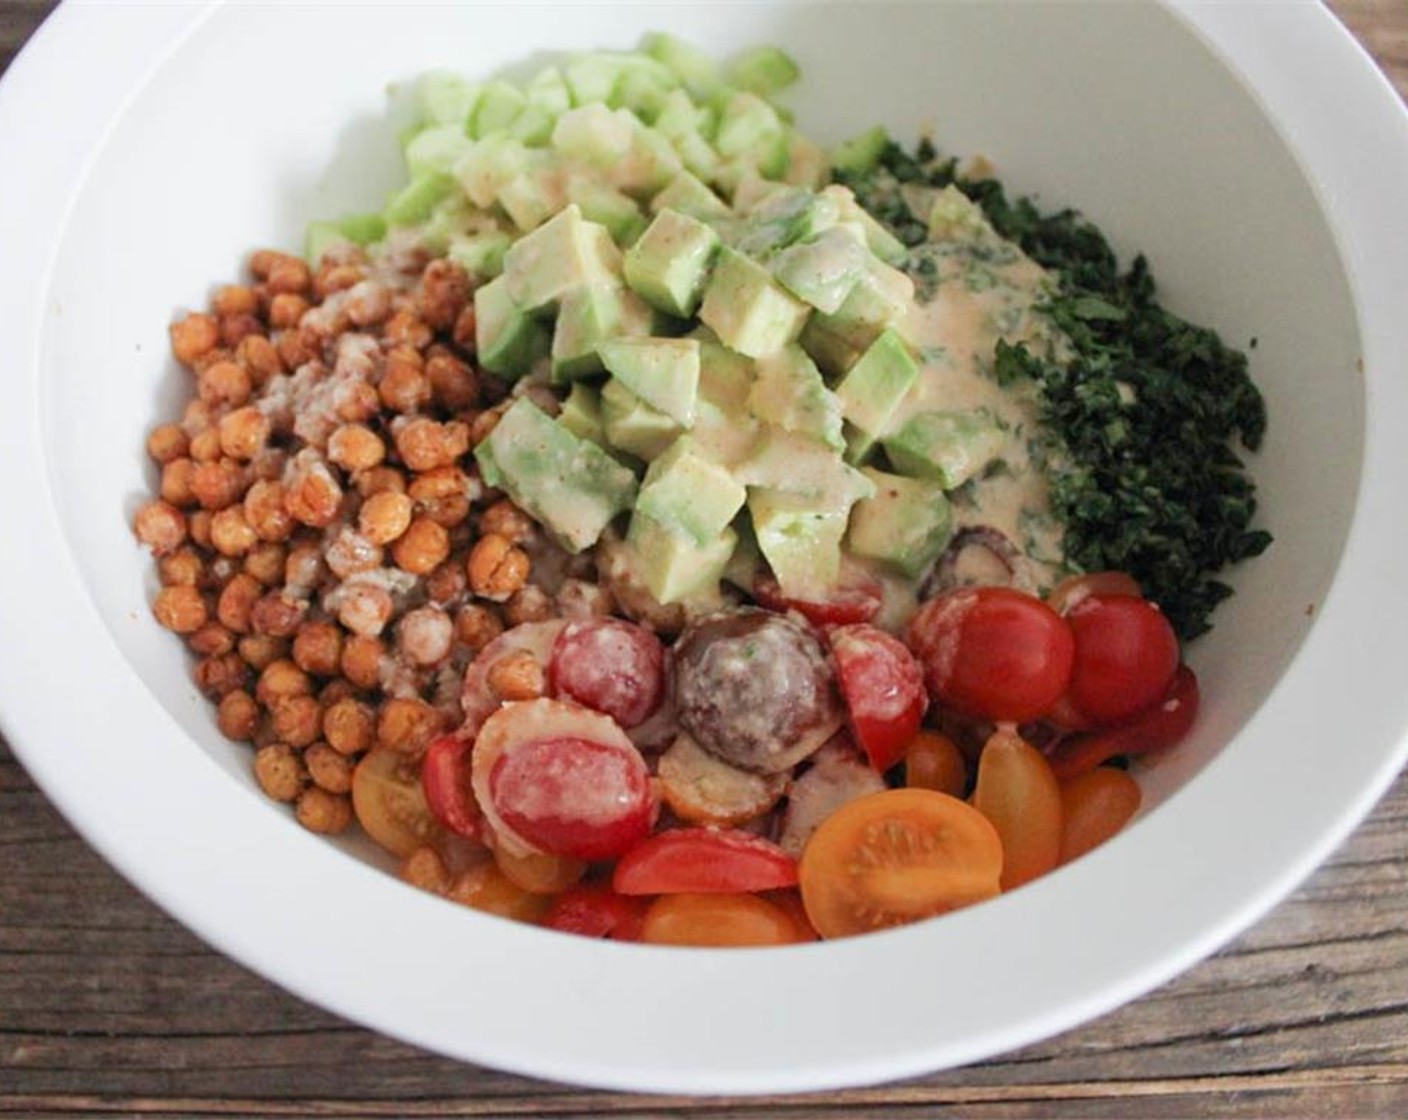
[
  {"x": 934, "y": 761},
  {"x": 993, "y": 653},
  {"x": 721, "y": 920},
  {"x": 1018, "y": 793},
  {"x": 883, "y": 686},
  {"x": 595, "y": 910},
  {"x": 1154, "y": 729},
  {"x": 444, "y": 775},
  {"x": 540, "y": 873},
  {"x": 485, "y": 887},
  {"x": 478, "y": 699},
  {"x": 1126, "y": 653},
  {"x": 390, "y": 803},
  {"x": 1073, "y": 589},
  {"x": 612, "y": 666},
  {"x": 897, "y": 857},
  {"x": 1094, "y": 807},
  {"x": 856, "y": 602},
  {"x": 703, "y": 861},
  {"x": 790, "y": 902},
  {"x": 703, "y": 789},
  {"x": 552, "y": 777}
]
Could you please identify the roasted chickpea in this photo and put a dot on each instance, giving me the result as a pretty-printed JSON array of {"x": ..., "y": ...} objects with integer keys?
[
  {"x": 425, "y": 635},
  {"x": 238, "y": 715},
  {"x": 335, "y": 276},
  {"x": 368, "y": 303},
  {"x": 443, "y": 292},
  {"x": 260, "y": 356},
  {"x": 405, "y": 328},
  {"x": 453, "y": 383},
  {"x": 296, "y": 720},
  {"x": 350, "y": 552},
  {"x": 289, "y": 274},
  {"x": 364, "y": 607},
  {"x": 356, "y": 402},
  {"x": 476, "y": 626},
  {"x": 195, "y": 335},
  {"x": 497, "y": 568},
  {"x": 317, "y": 648},
  {"x": 446, "y": 583},
  {"x": 508, "y": 521},
  {"x": 280, "y": 772},
  {"x": 182, "y": 566},
  {"x": 296, "y": 347},
  {"x": 425, "y": 444},
  {"x": 235, "y": 328},
  {"x": 180, "y": 608},
  {"x": 176, "y": 482},
  {"x": 235, "y": 604},
  {"x": 528, "y": 604},
  {"x": 243, "y": 433},
  {"x": 329, "y": 769},
  {"x": 362, "y": 655},
  {"x": 230, "y": 533},
  {"x": 385, "y": 516},
  {"x": 216, "y": 676},
  {"x": 198, "y": 525},
  {"x": 265, "y": 512},
  {"x": 407, "y": 726},
  {"x": 277, "y": 615},
  {"x": 517, "y": 676},
  {"x": 311, "y": 493},
  {"x": 349, "y": 726},
  {"x": 205, "y": 445},
  {"x": 304, "y": 569},
  {"x": 323, "y": 812},
  {"x": 265, "y": 562},
  {"x": 423, "y": 547},
  {"x": 211, "y": 640},
  {"x": 262, "y": 650},
  {"x": 218, "y": 484},
  {"x": 167, "y": 442},
  {"x": 403, "y": 386},
  {"x": 281, "y": 680},
  {"x": 465, "y": 328},
  {"x": 161, "y": 527},
  {"x": 224, "y": 383},
  {"x": 380, "y": 479},
  {"x": 355, "y": 447},
  {"x": 424, "y": 869}
]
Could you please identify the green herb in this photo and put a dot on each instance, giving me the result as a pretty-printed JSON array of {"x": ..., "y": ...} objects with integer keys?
[{"x": 1142, "y": 422}]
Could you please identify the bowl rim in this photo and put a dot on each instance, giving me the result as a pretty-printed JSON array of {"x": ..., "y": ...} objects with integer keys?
[{"x": 299, "y": 890}]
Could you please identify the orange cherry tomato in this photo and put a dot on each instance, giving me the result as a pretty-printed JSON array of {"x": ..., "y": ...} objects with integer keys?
[
  {"x": 390, "y": 803},
  {"x": 896, "y": 857},
  {"x": 539, "y": 873},
  {"x": 718, "y": 920},
  {"x": 934, "y": 761},
  {"x": 485, "y": 887},
  {"x": 790, "y": 902},
  {"x": 1095, "y": 806},
  {"x": 1018, "y": 793}
]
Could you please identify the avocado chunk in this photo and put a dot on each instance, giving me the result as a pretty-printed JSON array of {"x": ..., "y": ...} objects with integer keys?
[
  {"x": 674, "y": 566},
  {"x": 690, "y": 494},
  {"x": 906, "y": 523},
  {"x": 880, "y": 298},
  {"x": 801, "y": 541},
  {"x": 669, "y": 264},
  {"x": 956, "y": 217},
  {"x": 725, "y": 376},
  {"x": 633, "y": 426},
  {"x": 564, "y": 253},
  {"x": 823, "y": 271},
  {"x": 686, "y": 194},
  {"x": 480, "y": 254},
  {"x": 663, "y": 372},
  {"x": 881, "y": 241},
  {"x": 588, "y": 317},
  {"x": 794, "y": 464},
  {"x": 568, "y": 483},
  {"x": 783, "y": 218},
  {"x": 861, "y": 152},
  {"x": 747, "y": 309},
  {"x": 508, "y": 340},
  {"x": 947, "y": 447},
  {"x": 789, "y": 393},
  {"x": 605, "y": 205},
  {"x": 872, "y": 389},
  {"x": 581, "y": 413}
]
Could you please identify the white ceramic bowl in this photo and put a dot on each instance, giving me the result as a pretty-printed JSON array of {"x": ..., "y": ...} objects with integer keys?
[{"x": 1252, "y": 151}]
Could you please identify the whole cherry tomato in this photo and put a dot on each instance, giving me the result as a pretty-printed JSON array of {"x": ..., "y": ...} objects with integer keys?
[{"x": 1125, "y": 656}]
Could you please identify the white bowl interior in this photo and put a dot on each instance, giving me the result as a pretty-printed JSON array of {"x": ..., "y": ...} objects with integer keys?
[{"x": 1119, "y": 110}]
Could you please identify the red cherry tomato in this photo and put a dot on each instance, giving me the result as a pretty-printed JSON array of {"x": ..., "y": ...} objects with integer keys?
[
  {"x": 612, "y": 666},
  {"x": 1154, "y": 729},
  {"x": 444, "y": 776},
  {"x": 1126, "y": 655},
  {"x": 704, "y": 861},
  {"x": 857, "y": 602},
  {"x": 883, "y": 687},
  {"x": 1073, "y": 589},
  {"x": 597, "y": 911},
  {"x": 993, "y": 653}
]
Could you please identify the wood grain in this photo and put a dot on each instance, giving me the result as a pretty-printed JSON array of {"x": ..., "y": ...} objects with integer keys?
[{"x": 108, "y": 1007}]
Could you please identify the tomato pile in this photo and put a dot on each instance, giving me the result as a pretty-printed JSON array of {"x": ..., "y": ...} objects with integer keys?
[{"x": 788, "y": 771}]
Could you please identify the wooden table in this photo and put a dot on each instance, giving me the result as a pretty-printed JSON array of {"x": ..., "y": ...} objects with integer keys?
[{"x": 108, "y": 1006}]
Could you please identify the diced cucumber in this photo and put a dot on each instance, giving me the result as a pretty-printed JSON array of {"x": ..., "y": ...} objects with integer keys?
[
  {"x": 688, "y": 195},
  {"x": 879, "y": 299},
  {"x": 861, "y": 152},
  {"x": 480, "y": 254},
  {"x": 435, "y": 149},
  {"x": 956, "y": 217},
  {"x": 533, "y": 126},
  {"x": 446, "y": 98},
  {"x": 906, "y": 523},
  {"x": 807, "y": 163},
  {"x": 414, "y": 202},
  {"x": 698, "y": 72},
  {"x": 649, "y": 166},
  {"x": 536, "y": 193},
  {"x": 548, "y": 90},
  {"x": 762, "y": 70},
  {"x": 634, "y": 426},
  {"x": 595, "y": 135},
  {"x": 830, "y": 350},
  {"x": 592, "y": 78},
  {"x": 498, "y": 105},
  {"x": 663, "y": 372},
  {"x": 725, "y": 376},
  {"x": 747, "y": 309},
  {"x": 882, "y": 242},
  {"x": 691, "y": 494},
  {"x": 746, "y": 119},
  {"x": 669, "y": 265},
  {"x": 799, "y": 465},
  {"x": 489, "y": 166},
  {"x": 508, "y": 341},
  {"x": 947, "y": 447},
  {"x": 355, "y": 229}
]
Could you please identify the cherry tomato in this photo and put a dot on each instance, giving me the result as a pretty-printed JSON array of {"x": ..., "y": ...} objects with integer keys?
[
  {"x": 1073, "y": 589},
  {"x": 721, "y": 920},
  {"x": 597, "y": 911},
  {"x": 790, "y": 902},
  {"x": 934, "y": 761},
  {"x": 1094, "y": 807},
  {"x": 540, "y": 874},
  {"x": 856, "y": 602},
  {"x": 477, "y": 697},
  {"x": 554, "y": 778},
  {"x": 1018, "y": 793},
  {"x": 485, "y": 887},
  {"x": 883, "y": 687},
  {"x": 1154, "y": 729},
  {"x": 897, "y": 857},
  {"x": 704, "y": 861},
  {"x": 444, "y": 775},
  {"x": 1125, "y": 657},
  {"x": 611, "y": 665},
  {"x": 390, "y": 803},
  {"x": 993, "y": 653}
]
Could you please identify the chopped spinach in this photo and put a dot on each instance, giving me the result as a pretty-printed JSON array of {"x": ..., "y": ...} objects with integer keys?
[{"x": 1142, "y": 422}]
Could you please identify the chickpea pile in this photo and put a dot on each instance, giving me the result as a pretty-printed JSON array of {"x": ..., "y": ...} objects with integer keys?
[{"x": 323, "y": 541}]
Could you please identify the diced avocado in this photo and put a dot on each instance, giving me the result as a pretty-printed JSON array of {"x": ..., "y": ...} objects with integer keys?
[
  {"x": 436, "y": 149},
  {"x": 762, "y": 70},
  {"x": 688, "y": 492},
  {"x": 724, "y": 437},
  {"x": 746, "y": 119},
  {"x": 698, "y": 72},
  {"x": 648, "y": 166},
  {"x": 789, "y": 393},
  {"x": 414, "y": 202},
  {"x": 823, "y": 270},
  {"x": 581, "y": 413},
  {"x": 861, "y": 152},
  {"x": 674, "y": 566},
  {"x": 746, "y": 563},
  {"x": 880, "y": 298},
  {"x": 815, "y": 473},
  {"x": 747, "y": 309},
  {"x": 670, "y": 262},
  {"x": 548, "y": 90},
  {"x": 563, "y": 253},
  {"x": 535, "y": 194},
  {"x": 830, "y": 350},
  {"x": 725, "y": 376},
  {"x": 498, "y": 105},
  {"x": 907, "y": 523},
  {"x": 801, "y": 542},
  {"x": 784, "y": 217},
  {"x": 490, "y": 165},
  {"x": 446, "y": 98},
  {"x": 507, "y": 339},
  {"x": 587, "y": 317},
  {"x": 595, "y": 135},
  {"x": 948, "y": 447},
  {"x": 663, "y": 372},
  {"x": 480, "y": 254},
  {"x": 882, "y": 242},
  {"x": 956, "y": 217},
  {"x": 634, "y": 426},
  {"x": 688, "y": 195},
  {"x": 605, "y": 205},
  {"x": 688, "y": 127},
  {"x": 872, "y": 389},
  {"x": 592, "y": 78},
  {"x": 569, "y": 484}
]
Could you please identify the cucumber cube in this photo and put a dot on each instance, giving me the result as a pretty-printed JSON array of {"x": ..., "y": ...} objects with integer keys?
[
  {"x": 587, "y": 317},
  {"x": 581, "y": 413},
  {"x": 435, "y": 149},
  {"x": 947, "y": 447},
  {"x": 873, "y": 388},
  {"x": 663, "y": 372},
  {"x": 830, "y": 350},
  {"x": 698, "y": 72},
  {"x": 489, "y": 166},
  {"x": 533, "y": 126},
  {"x": 592, "y": 78},
  {"x": 446, "y": 98},
  {"x": 536, "y": 193},
  {"x": 562, "y": 254},
  {"x": 633, "y": 426},
  {"x": 480, "y": 254},
  {"x": 414, "y": 202},
  {"x": 355, "y": 229},
  {"x": 906, "y": 523},
  {"x": 686, "y": 194},
  {"x": 762, "y": 70},
  {"x": 747, "y": 309},
  {"x": 823, "y": 270},
  {"x": 548, "y": 90},
  {"x": 746, "y": 119},
  {"x": 649, "y": 166},
  {"x": 450, "y": 219},
  {"x": 568, "y": 483},
  {"x": 669, "y": 264},
  {"x": 595, "y": 135},
  {"x": 862, "y": 152},
  {"x": 789, "y": 393},
  {"x": 674, "y": 566},
  {"x": 691, "y": 494},
  {"x": 498, "y": 105},
  {"x": 607, "y": 206},
  {"x": 508, "y": 341},
  {"x": 807, "y": 163}
]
